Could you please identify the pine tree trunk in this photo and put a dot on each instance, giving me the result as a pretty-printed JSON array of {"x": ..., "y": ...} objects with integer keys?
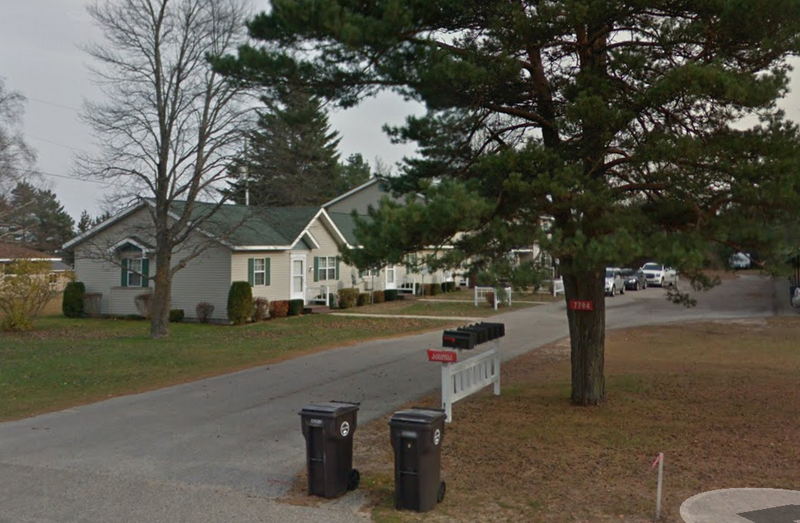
[
  {"x": 587, "y": 335},
  {"x": 160, "y": 301}
]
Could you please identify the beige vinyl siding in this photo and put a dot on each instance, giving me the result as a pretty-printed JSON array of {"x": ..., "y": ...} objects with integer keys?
[
  {"x": 205, "y": 278},
  {"x": 361, "y": 200},
  {"x": 280, "y": 273}
]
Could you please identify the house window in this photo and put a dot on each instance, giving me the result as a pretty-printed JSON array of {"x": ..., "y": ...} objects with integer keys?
[
  {"x": 134, "y": 272},
  {"x": 326, "y": 267},
  {"x": 259, "y": 271}
]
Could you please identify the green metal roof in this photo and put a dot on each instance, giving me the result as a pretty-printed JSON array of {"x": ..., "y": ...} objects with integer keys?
[{"x": 243, "y": 226}]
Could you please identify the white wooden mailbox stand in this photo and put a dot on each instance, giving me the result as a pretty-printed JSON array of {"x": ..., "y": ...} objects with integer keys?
[{"x": 463, "y": 378}]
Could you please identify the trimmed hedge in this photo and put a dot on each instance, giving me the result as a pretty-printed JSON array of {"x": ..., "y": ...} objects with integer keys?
[
  {"x": 363, "y": 298},
  {"x": 176, "y": 315},
  {"x": 278, "y": 308},
  {"x": 378, "y": 297},
  {"x": 240, "y": 302},
  {"x": 72, "y": 302},
  {"x": 449, "y": 286},
  {"x": 390, "y": 294},
  {"x": 296, "y": 307},
  {"x": 348, "y": 298}
]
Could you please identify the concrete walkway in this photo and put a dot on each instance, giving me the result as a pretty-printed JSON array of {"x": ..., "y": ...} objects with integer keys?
[{"x": 223, "y": 448}]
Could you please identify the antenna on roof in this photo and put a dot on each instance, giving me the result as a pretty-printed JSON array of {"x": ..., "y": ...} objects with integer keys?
[{"x": 246, "y": 174}]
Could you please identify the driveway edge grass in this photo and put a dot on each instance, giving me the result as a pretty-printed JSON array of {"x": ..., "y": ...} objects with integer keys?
[{"x": 303, "y": 346}]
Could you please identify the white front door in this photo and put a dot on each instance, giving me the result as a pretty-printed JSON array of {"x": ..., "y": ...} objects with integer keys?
[
  {"x": 298, "y": 290},
  {"x": 391, "y": 277}
]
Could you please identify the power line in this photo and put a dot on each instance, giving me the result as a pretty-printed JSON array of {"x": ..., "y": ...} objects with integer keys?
[
  {"x": 55, "y": 143},
  {"x": 54, "y": 104}
]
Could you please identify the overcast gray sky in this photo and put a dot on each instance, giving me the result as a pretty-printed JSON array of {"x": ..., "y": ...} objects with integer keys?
[{"x": 40, "y": 57}]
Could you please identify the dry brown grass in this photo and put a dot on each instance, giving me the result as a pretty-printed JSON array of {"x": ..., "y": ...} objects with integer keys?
[{"x": 720, "y": 399}]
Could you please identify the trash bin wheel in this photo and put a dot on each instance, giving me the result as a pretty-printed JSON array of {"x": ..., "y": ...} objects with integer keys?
[
  {"x": 442, "y": 490},
  {"x": 353, "y": 480}
]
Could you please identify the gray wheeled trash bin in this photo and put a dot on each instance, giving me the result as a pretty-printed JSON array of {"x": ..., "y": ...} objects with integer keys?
[
  {"x": 417, "y": 436},
  {"x": 328, "y": 428}
]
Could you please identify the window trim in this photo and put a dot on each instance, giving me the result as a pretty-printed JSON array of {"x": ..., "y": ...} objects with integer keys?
[{"x": 326, "y": 268}]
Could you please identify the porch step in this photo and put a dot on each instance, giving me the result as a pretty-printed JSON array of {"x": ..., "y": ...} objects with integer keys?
[{"x": 316, "y": 309}]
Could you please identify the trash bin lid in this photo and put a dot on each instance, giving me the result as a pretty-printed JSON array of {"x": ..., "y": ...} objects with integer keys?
[
  {"x": 329, "y": 408},
  {"x": 417, "y": 415}
]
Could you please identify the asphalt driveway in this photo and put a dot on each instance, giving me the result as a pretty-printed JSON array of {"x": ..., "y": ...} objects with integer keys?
[{"x": 222, "y": 449}]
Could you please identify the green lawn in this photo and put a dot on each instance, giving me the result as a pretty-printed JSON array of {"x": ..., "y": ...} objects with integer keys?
[
  {"x": 66, "y": 362},
  {"x": 441, "y": 307},
  {"x": 468, "y": 294}
]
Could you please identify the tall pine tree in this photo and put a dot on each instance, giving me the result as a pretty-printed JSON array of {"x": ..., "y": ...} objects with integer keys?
[
  {"x": 606, "y": 129},
  {"x": 291, "y": 156},
  {"x": 37, "y": 218}
]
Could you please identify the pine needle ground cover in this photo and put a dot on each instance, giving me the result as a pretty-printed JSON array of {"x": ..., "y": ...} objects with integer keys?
[
  {"x": 65, "y": 362},
  {"x": 719, "y": 399}
]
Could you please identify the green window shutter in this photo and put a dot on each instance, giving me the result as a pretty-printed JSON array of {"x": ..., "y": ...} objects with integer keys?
[
  {"x": 337, "y": 267},
  {"x": 124, "y": 278},
  {"x": 145, "y": 272},
  {"x": 316, "y": 268},
  {"x": 251, "y": 277},
  {"x": 266, "y": 271}
]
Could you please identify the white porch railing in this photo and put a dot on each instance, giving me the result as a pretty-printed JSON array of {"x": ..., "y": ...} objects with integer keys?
[
  {"x": 481, "y": 292},
  {"x": 558, "y": 287},
  {"x": 463, "y": 378},
  {"x": 321, "y": 294}
]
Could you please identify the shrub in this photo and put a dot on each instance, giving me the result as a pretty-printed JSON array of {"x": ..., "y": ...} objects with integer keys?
[
  {"x": 240, "y": 302},
  {"x": 278, "y": 308},
  {"x": 296, "y": 307},
  {"x": 204, "y": 311},
  {"x": 176, "y": 315},
  {"x": 390, "y": 294},
  {"x": 24, "y": 292},
  {"x": 260, "y": 309},
  {"x": 348, "y": 298},
  {"x": 72, "y": 303},
  {"x": 490, "y": 299},
  {"x": 449, "y": 286},
  {"x": 92, "y": 303},
  {"x": 363, "y": 299},
  {"x": 436, "y": 288},
  {"x": 142, "y": 302},
  {"x": 378, "y": 297}
]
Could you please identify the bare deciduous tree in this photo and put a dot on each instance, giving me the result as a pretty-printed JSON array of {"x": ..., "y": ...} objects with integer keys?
[
  {"x": 16, "y": 157},
  {"x": 168, "y": 127}
]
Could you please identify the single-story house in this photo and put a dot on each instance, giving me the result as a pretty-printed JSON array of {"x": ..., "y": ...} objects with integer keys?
[{"x": 58, "y": 275}]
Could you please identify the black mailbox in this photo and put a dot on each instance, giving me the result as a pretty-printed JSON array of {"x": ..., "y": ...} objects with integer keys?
[
  {"x": 459, "y": 339},
  {"x": 496, "y": 330},
  {"x": 481, "y": 333}
]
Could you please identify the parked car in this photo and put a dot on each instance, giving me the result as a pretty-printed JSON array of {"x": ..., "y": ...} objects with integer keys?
[
  {"x": 740, "y": 260},
  {"x": 634, "y": 279},
  {"x": 659, "y": 274},
  {"x": 614, "y": 282}
]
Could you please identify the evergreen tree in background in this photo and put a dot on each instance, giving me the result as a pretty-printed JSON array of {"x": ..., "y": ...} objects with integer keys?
[
  {"x": 605, "y": 130},
  {"x": 36, "y": 218},
  {"x": 291, "y": 156},
  {"x": 84, "y": 222},
  {"x": 352, "y": 173}
]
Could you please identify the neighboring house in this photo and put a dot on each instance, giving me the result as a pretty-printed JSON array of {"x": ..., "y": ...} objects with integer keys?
[
  {"x": 58, "y": 275},
  {"x": 360, "y": 199},
  {"x": 285, "y": 253}
]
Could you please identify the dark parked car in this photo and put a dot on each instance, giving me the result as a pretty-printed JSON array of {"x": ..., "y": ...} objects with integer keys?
[{"x": 634, "y": 279}]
